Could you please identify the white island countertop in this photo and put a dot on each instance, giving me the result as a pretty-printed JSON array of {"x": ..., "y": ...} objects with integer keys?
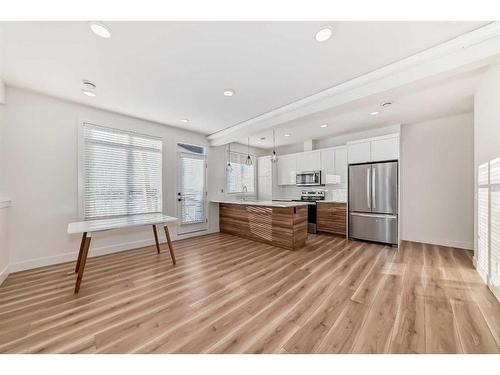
[{"x": 260, "y": 203}]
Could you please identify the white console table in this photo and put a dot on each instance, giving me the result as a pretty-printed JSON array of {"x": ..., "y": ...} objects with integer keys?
[{"x": 90, "y": 226}]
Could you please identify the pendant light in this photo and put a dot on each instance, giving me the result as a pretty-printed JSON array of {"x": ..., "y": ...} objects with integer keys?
[
  {"x": 249, "y": 159},
  {"x": 229, "y": 168},
  {"x": 274, "y": 156}
]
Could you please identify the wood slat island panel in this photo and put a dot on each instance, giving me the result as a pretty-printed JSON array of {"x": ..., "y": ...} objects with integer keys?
[{"x": 279, "y": 226}]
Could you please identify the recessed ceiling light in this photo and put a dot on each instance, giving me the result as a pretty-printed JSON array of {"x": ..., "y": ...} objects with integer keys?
[
  {"x": 259, "y": 141},
  {"x": 89, "y": 93},
  {"x": 374, "y": 113},
  {"x": 323, "y": 126},
  {"x": 184, "y": 120},
  {"x": 88, "y": 88},
  {"x": 100, "y": 29},
  {"x": 287, "y": 135},
  {"x": 324, "y": 34},
  {"x": 229, "y": 92}
]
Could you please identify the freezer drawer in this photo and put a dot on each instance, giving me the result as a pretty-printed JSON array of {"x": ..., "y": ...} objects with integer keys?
[{"x": 373, "y": 227}]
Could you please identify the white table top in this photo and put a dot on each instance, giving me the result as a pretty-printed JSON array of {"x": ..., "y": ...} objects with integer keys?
[
  {"x": 261, "y": 203},
  {"x": 119, "y": 222}
]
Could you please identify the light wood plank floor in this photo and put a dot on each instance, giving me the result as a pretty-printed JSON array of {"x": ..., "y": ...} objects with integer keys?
[{"x": 231, "y": 295}]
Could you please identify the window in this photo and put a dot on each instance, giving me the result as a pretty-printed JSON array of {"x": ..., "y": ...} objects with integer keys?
[
  {"x": 122, "y": 173},
  {"x": 241, "y": 177}
]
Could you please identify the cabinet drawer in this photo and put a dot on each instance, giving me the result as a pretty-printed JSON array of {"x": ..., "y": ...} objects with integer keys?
[{"x": 331, "y": 217}]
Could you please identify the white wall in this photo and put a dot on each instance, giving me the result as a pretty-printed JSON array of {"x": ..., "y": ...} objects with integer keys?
[
  {"x": 487, "y": 149},
  {"x": 437, "y": 181},
  {"x": 40, "y": 151},
  {"x": 4, "y": 253},
  {"x": 339, "y": 140},
  {"x": 2, "y": 92}
]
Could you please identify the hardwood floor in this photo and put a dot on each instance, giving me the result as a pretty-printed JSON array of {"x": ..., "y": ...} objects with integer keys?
[{"x": 231, "y": 295}]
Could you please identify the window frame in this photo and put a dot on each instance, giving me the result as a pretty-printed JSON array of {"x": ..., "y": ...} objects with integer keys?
[
  {"x": 254, "y": 163},
  {"x": 81, "y": 159}
]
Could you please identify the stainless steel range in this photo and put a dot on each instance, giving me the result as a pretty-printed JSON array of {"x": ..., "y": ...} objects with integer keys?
[{"x": 311, "y": 196}]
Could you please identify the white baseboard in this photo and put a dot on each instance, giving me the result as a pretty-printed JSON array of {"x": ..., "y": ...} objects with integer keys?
[
  {"x": 450, "y": 243},
  {"x": 4, "y": 273},
  {"x": 103, "y": 250},
  {"x": 495, "y": 291},
  {"x": 71, "y": 256}
]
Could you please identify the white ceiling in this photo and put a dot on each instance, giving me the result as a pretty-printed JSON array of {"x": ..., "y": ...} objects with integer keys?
[
  {"x": 165, "y": 71},
  {"x": 409, "y": 105}
]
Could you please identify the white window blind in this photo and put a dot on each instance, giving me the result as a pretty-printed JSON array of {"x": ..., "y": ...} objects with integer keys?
[
  {"x": 483, "y": 235},
  {"x": 495, "y": 223},
  {"x": 192, "y": 188},
  {"x": 122, "y": 173},
  {"x": 241, "y": 177}
]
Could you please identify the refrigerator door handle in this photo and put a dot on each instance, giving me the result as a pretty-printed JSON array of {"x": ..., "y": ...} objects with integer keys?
[
  {"x": 374, "y": 215},
  {"x": 373, "y": 186},
  {"x": 368, "y": 198}
]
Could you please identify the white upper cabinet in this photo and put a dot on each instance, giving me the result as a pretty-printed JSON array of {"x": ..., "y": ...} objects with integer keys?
[
  {"x": 287, "y": 169},
  {"x": 359, "y": 152},
  {"x": 375, "y": 149},
  {"x": 341, "y": 164},
  {"x": 385, "y": 149},
  {"x": 265, "y": 178},
  {"x": 308, "y": 161},
  {"x": 328, "y": 162}
]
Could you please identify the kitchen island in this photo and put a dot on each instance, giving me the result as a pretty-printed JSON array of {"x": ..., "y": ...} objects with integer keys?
[{"x": 282, "y": 224}]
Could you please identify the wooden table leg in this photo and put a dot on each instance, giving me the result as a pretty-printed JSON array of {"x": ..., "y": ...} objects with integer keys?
[
  {"x": 81, "y": 251},
  {"x": 156, "y": 239},
  {"x": 83, "y": 260},
  {"x": 170, "y": 247}
]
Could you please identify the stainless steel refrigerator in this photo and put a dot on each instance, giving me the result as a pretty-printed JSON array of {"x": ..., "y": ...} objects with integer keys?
[{"x": 373, "y": 202}]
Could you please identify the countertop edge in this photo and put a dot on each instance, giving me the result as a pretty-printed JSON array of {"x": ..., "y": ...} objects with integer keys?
[{"x": 264, "y": 204}]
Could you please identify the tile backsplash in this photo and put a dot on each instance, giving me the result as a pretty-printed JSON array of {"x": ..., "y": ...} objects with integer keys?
[{"x": 333, "y": 192}]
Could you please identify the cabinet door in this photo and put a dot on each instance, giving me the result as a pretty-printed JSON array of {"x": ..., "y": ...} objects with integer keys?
[
  {"x": 328, "y": 162},
  {"x": 359, "y": 152},
  {"x": 264, "y": 178},
  {"x": 308, "y": 161},
  {"x": 341, "y": 164},
  {"x": 287, "y": 169},
  {"x": 331, "y": 217},
  {"x": 385, "y": 149}
]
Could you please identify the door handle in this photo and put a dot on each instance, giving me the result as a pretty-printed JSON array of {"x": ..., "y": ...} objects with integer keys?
[
  {"x": 373, "y": 187},
  {"x": 368, "y": 188},
  {"x": 378, "y": 216}
]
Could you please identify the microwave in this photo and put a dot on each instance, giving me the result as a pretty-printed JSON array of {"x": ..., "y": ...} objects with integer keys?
[{"x": 308, "y": 178}]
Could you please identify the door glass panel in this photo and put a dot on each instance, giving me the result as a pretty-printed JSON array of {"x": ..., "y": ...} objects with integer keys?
[{"x": 192, "y": 189}]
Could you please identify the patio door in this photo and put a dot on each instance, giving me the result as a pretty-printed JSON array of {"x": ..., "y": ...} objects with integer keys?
[{"x": 191, "y": 193}]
